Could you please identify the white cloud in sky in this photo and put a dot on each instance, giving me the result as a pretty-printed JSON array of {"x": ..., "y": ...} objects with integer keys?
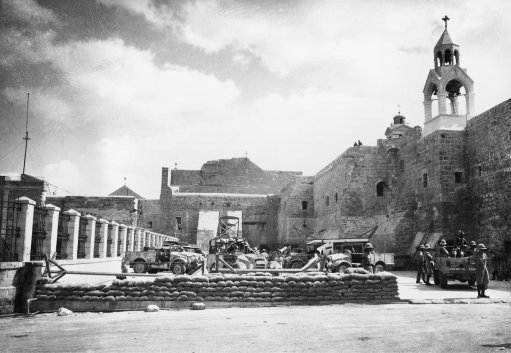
[{"x": 354, "y": 61}]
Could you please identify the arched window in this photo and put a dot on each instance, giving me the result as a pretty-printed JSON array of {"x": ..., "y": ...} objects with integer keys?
[
  {"x": 380, "y": 189},
  {"x": 336, "y": 197},
  {"x": 327, "y": 201},
  {"x": 439, "y": 59},
  {"x": 457, "y": 97},
  {"x": 448, "y": 57}
]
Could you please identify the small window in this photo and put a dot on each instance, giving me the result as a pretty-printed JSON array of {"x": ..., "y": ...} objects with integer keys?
[
  {"x": 479, "y": 170},
  {"x": 149, "y": 224},
  {"x": 509, "y": 136},
  {"x": 304, "y": 205},
  {"x": 336, "y": 197},
  {"x": 304, "y": 225},
  {"x": 402, "y": 165},
  {"x": 179, "y": 225},
  {"x": 380, "y": 189},
  {"x": 425, "y": 180},
  {"x": 458, "y": 177},
  {"x": 327, "y": 201}
]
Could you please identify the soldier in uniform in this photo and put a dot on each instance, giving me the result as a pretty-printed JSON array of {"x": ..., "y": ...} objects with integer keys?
[
  {"x": 366, "y": 259},
  {"x": 461, "y": 242},
  {"x": 442, "y": 250},
  {"x": 482, "y": 274},
  {"x": 429, "y": 263},
  {"x": 471, "y": 250},
  {"x": 419, "y": 264}
]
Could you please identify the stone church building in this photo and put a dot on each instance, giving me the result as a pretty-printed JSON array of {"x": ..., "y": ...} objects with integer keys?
[{"x": 417, "y": 184}]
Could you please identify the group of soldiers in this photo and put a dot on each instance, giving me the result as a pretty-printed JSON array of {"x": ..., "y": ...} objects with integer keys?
[{"x": 425, "y": 260}]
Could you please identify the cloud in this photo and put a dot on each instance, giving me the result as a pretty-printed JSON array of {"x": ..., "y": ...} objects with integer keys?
[
  {"x": 28, "y": 11},
  {"x": 67, "y": 175}
]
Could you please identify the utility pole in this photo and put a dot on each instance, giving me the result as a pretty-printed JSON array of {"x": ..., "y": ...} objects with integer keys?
[{"x": 26, "y": 138}]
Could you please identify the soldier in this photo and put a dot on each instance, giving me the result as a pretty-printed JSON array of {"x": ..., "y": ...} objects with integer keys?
[
  {"x": 461, "y": 242},
  {"x": 429, "y": 263},
  {"x": 482, "y": 275},
  {"x": 419, "y": 264},
  {"x": 366, "y": 259},
  {"x": 471, "y": 249},
  {"x": 442, "y": 250}
]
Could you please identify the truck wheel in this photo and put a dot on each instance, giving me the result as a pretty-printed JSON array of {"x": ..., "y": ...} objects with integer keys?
[
  {"x": 139, "y": 267},
  {"x": 379, "y": 268},
  {"x": 443, "y": 281},
  {"x": 178, "y": 268}
]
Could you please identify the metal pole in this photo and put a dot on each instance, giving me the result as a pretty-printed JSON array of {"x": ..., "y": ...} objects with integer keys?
[{"x": 26, "y": 138}]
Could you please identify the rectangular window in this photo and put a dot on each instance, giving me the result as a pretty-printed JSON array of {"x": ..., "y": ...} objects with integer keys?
[
  {"x": 425, "y": 180},
  {"x": 458, "y": 177},
  {"x": 304, "y": 205},
  {"x": 179, "y": 225},
  {"x": 328, "y": 200},
  {"x": 149, "y": 224},
  {"x": 402, "y": 165},
  {"x": 479, "y": 170}
]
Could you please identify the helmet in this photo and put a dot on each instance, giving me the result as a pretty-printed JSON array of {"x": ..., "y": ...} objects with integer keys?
[
  {"x": 443, "y": 242},
  {"x": 421, "y": 247},
  {"x": 473, "y": 243},
  {"x": 368, "y": 246},
  {"x": 427, "y": 247},
  {"x": 460, "y": 232},
  {"x": 481, "y": 246}
]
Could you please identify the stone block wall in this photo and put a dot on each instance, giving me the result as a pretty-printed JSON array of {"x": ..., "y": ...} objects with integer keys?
[
  {"x": 296, "y": 212},
  {"x": 488, "y": 158}
]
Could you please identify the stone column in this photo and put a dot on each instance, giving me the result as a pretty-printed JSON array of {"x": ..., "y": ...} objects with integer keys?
[
  {"x": 137, "y": 240},
  {"x": 71, "y": 228},
  {"x": 90, "y": 231},
  {"x": 25, "y": 222},
  {"x": 103, "y": 235},
  {"x": 51, "y": 226},
  {"x": 442, "y": 103},
  {"x": 123, "y": 232},
  {"x": 131, "y": 238},
  {"x": 428, "y": 112},
  {"x": 114, "y": 235}
]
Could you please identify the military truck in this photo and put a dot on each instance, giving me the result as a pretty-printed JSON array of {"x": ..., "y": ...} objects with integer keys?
[
  {"x": 451, "y": 268},
  {"x": 340, "y": 254},
  {"x": 171, "y": 258},
  {"x": 230, "y": 246},
  {"x": 344, "y": 253}
]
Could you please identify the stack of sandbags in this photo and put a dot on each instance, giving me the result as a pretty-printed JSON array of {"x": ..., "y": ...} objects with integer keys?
[{"x": 255, "y": 287}]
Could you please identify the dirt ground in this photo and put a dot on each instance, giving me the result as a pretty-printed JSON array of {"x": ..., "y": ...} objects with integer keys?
[{"x": 330, "y": 328}]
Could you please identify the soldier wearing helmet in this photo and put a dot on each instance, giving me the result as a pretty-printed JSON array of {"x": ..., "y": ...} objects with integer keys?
[
  {"x": 442, "y": 250},
  {"x": 419, "y": 264},
  {"x": 472, "y": 248},
  {"x": 482, "y": 274},
  {"x": 366, "y": 259},
  {"x": 461, "y": 242},
  {"x": 429, "y": 263}
]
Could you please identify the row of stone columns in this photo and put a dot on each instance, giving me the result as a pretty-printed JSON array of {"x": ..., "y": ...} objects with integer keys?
[{"x": 87, "y": 237}]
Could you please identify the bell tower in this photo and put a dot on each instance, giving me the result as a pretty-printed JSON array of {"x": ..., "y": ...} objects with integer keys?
[{"x": 449, "y": 90}]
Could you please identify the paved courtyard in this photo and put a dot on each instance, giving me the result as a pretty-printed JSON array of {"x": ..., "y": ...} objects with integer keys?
[{"x": 329, "y": 328}]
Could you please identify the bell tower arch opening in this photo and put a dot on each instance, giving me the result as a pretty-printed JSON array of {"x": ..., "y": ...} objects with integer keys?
[{"x": 448, "y": 91}]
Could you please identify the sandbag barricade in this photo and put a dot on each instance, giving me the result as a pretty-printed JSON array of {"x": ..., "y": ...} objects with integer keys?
[{"x": 310, "y": 288}]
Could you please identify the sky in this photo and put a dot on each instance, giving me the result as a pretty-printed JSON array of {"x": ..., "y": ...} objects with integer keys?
[{"x": 119, "y": 89}]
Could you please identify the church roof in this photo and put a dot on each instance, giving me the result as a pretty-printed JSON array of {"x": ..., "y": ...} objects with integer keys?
[
  {"x": 445, "y": 39},
  {"x": 125, "y": 191}
]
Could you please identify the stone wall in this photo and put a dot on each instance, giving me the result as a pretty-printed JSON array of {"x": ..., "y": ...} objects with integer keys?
[
  {"x": 488, "y": 162},
  {"x": 121, "y": 209},
  {"x": 296, "y": 213},
  {"x": 235, "y": 175},
  {"x": 258, "y": 223}
]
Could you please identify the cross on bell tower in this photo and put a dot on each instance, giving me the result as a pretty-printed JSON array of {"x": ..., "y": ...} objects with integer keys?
[
  {"x": 445, "y": 19},
  {"x": 449, "y": 90}
]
